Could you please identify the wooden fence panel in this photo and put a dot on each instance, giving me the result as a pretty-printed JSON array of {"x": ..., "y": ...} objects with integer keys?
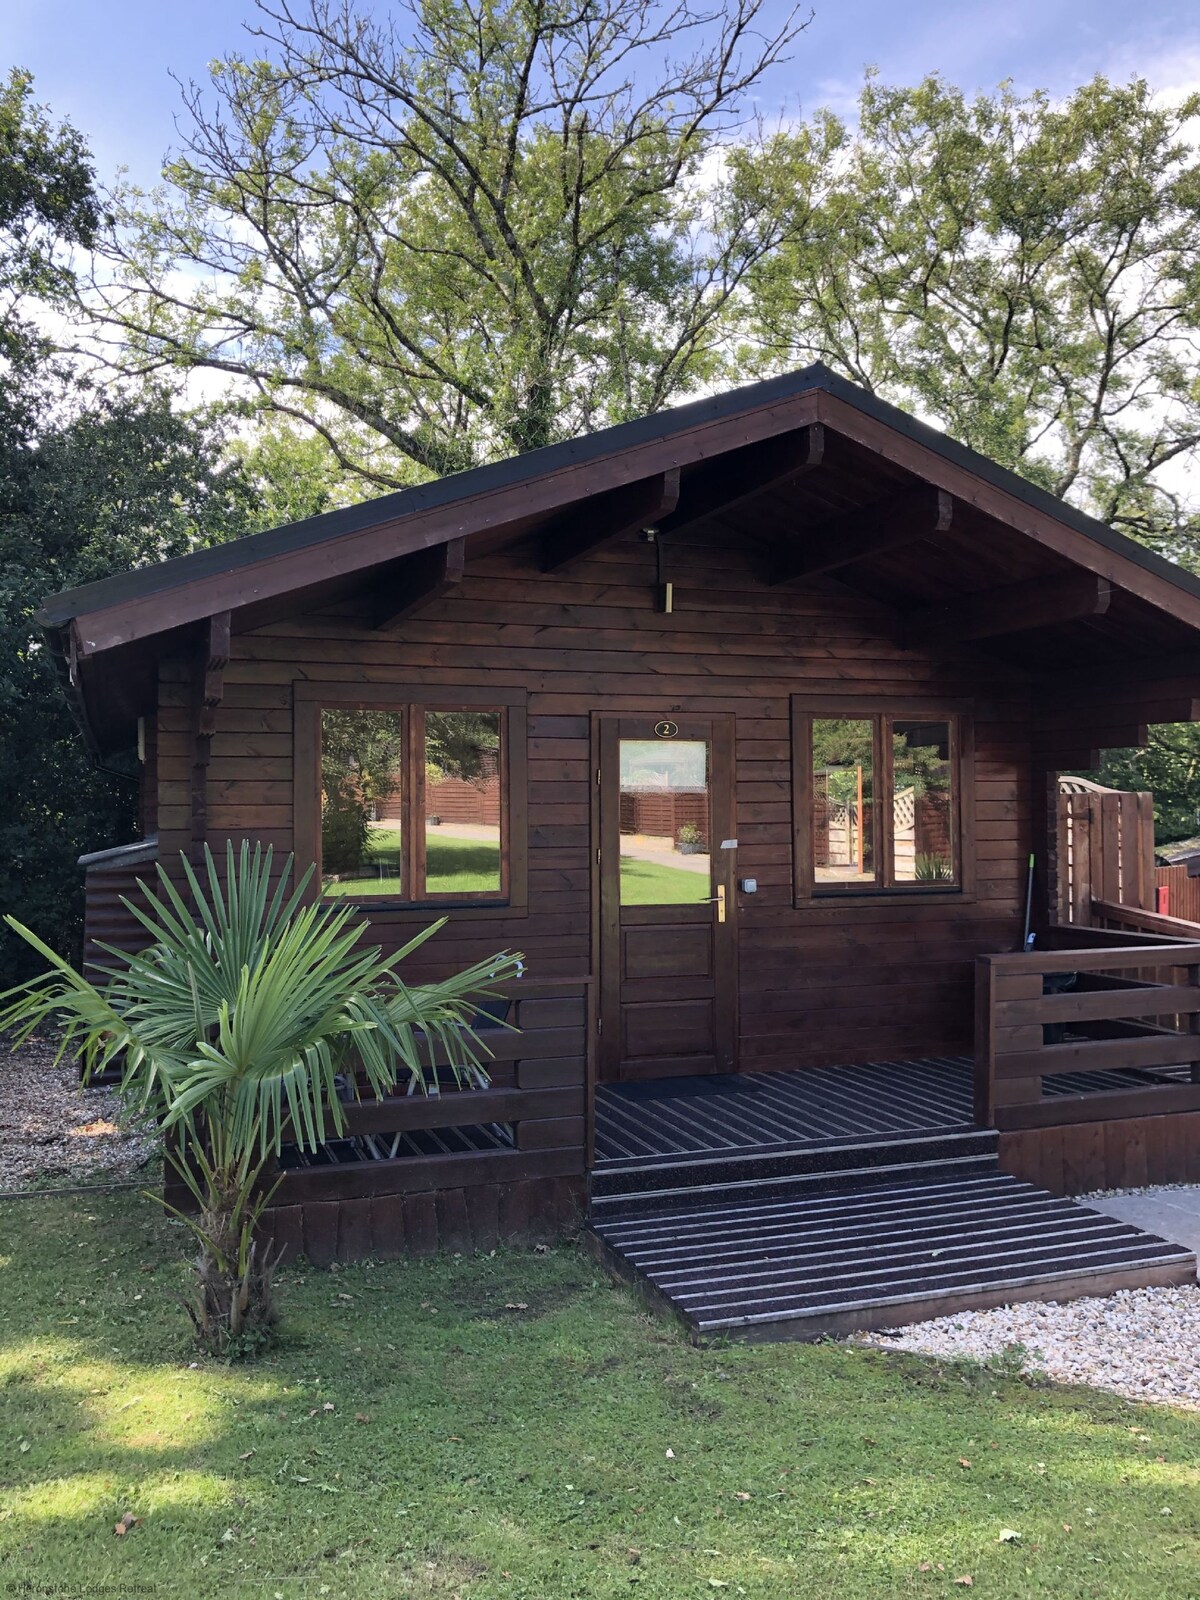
[
  {"x": 1105, "y": 852},
  {"x": 1183, "y": 893}
]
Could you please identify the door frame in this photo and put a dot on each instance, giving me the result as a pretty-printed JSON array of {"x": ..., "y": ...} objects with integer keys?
[{"x": 606, "y": 928}]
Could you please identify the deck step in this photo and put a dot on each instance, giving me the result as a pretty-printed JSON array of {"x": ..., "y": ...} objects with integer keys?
[
  {"x": 790, "y": 1256},
  {"x": 803, "y": 1156}
]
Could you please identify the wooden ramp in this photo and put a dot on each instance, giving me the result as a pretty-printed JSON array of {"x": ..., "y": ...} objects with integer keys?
[{"x": 836, "y": 1236}]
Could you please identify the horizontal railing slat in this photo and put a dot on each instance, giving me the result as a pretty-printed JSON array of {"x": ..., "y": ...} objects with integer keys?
[
  {"x": 1153, "y": 1000},
  {"x": 1101, "y": 1055},
  {"x": 1156, "y": 978}
]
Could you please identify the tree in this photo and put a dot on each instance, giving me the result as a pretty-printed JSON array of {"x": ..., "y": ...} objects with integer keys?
[
  {"x": 126, "y": 481},
  {"x": 458, "y": 233},
  {"x": 1169, "y": 766},
  {"x": 241, "y": 1024},
  {"x": 1024, "y": 272},
  {"x": 48, "y": 199},
  {"x": 91, "y": 481}
]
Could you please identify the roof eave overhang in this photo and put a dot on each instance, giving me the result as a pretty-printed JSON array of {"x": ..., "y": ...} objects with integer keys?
[{"x": 84, "y": 626}]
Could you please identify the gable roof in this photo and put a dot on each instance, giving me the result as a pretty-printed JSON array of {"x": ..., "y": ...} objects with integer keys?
[
  {"x": 133, "y": 615},
  {"x": 444, "y": 495}
]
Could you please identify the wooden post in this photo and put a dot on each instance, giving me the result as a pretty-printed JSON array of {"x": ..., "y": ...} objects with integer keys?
[
  {"x": 985, "y": 1045},
  {"x": 861, "y": 857}
]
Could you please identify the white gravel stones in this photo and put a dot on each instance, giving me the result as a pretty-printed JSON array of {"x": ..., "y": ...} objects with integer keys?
[
  {"x": 1141, "y": 1343},
  {"x": 53, "y": 1133}
]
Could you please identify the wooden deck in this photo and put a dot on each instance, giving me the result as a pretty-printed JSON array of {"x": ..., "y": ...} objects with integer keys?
[
  {"x": 799, "y": 1204},
  {"x": 682, "y": 1118}
]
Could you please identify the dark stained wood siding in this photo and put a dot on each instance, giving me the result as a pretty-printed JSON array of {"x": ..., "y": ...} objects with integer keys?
[
  {"x": 1129, "y": 1152},
  {"x": 835, "y": 982}
]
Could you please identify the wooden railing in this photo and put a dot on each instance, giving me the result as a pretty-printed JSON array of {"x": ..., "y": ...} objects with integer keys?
[
  {"x": 1101, "y": 1009},
  {"x": 539, "y": 1071},
  {"x": 1128, "y": 919}
]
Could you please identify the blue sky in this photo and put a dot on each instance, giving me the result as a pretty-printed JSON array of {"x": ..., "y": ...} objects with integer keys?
[{"x": 108, "y": 67}]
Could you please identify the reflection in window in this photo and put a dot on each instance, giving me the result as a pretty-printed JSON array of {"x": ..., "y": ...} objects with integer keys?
[
  {"x": 412, "y": 803},
  {"x": 462, "y": 795},
  {"x": 843, "y": 753},
  {"x": 362, "y": 798},
  {"x": 666, "y": 850},
  {"x": 922, "y": 803}
]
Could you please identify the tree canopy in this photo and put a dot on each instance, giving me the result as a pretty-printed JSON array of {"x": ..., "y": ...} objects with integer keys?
[
  {"x": 458, "y": 231},
  {"x": 1023, "y": 272}
]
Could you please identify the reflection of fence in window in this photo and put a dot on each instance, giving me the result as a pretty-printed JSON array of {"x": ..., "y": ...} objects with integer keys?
[
  {"x": 661, "y": 813},
  {"x": 921, "y": 833},
  {"x": 841, "y": 843},
  {"x": 455, "y": 800}
]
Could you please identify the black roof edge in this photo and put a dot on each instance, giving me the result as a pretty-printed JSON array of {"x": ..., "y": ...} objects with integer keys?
[{"x": 58, "y": 610}]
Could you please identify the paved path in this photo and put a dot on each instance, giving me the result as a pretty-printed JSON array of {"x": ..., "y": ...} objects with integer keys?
[
  {"x": 1173, "y": 1214},
  {"x": 661, "y": 851}
]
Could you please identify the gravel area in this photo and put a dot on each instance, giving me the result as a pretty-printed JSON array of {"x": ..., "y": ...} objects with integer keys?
[
  {"x": 1141, "y": 1343},
  {"x": 54, "y": 1133}
]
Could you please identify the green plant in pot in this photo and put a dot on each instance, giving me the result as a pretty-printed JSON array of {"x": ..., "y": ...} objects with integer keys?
[
  {"x": 238, "y": 1024},
  {"x": 689, "y": 841}
]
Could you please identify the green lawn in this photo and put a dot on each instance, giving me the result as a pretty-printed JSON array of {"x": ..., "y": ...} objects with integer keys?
[
  {"x": 647, "y": 883},
  {"x": 513, "y": 1426},
  {"x": 452, "y": 866}
]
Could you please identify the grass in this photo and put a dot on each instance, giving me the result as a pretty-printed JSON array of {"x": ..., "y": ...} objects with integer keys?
[
  {"x": 646, "y": 883},
  {"x": 452, "y": 866},
  {"x": 500, "y": 1427}
]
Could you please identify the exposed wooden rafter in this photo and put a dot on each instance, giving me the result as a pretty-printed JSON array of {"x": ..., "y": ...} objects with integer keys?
[
  {"x": 619, "y": 512},
  {"x": 902, "y": 519},
  {"x": 717, "y": 487},
  {"x": 1014, "y": 608},
  {"x": 420, "y": 578}
]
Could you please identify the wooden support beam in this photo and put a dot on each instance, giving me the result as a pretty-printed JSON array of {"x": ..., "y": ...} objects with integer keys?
[
  {"x": 210, "y": 691},
  {"x": 595, "y": 522},
  {"x": 920, "y": 513},
  {"x": 1015, "y": 608},
  {"x": 717, "y": 487},
  {"x": 215, "y": 657},
  {"x": 420, "y": 578}
]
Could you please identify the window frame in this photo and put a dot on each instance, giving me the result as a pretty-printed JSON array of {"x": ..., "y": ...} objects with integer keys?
[
  {"x": 412, "y": 702},
  {"x": 882, "y": 714}
]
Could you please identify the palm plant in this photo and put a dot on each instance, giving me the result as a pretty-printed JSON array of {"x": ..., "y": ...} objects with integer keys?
[{"x": 238, "y": 1024}]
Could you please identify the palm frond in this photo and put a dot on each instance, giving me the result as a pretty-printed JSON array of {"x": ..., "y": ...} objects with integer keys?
[{"x": 248, "y": 1004}]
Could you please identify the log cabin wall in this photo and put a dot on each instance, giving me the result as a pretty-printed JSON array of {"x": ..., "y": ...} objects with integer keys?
[{"x": 834, "y": 982}]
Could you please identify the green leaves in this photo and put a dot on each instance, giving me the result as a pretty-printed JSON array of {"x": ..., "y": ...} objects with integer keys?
[
  {"x": 459, "y": 238},
  {"x": 1022, "y": 271},
  {"x": 248, "y": 1006}
]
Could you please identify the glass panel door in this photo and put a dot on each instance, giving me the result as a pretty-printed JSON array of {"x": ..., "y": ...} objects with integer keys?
[{"x": 665, "y": 822}]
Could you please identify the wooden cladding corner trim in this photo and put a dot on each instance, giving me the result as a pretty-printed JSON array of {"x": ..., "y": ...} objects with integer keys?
[
  {"x": 306, "y": 791},
  {"x": 210, "y": 690}
]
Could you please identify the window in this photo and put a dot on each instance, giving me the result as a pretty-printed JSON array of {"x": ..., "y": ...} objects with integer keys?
[
  {"x": 413, "y": 802},
  {"x": 877, "y": 799},
  {"x": 665, "y": 822}
]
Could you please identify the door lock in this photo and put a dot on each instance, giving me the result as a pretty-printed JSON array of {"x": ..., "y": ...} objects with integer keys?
[{"x": 718, "y": 900}]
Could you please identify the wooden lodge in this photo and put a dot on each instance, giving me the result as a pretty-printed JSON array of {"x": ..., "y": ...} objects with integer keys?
[{"x": 763, "y": 702}]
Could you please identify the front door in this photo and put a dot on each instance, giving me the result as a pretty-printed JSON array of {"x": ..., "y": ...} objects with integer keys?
[{"x": 665, "y": 865}]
